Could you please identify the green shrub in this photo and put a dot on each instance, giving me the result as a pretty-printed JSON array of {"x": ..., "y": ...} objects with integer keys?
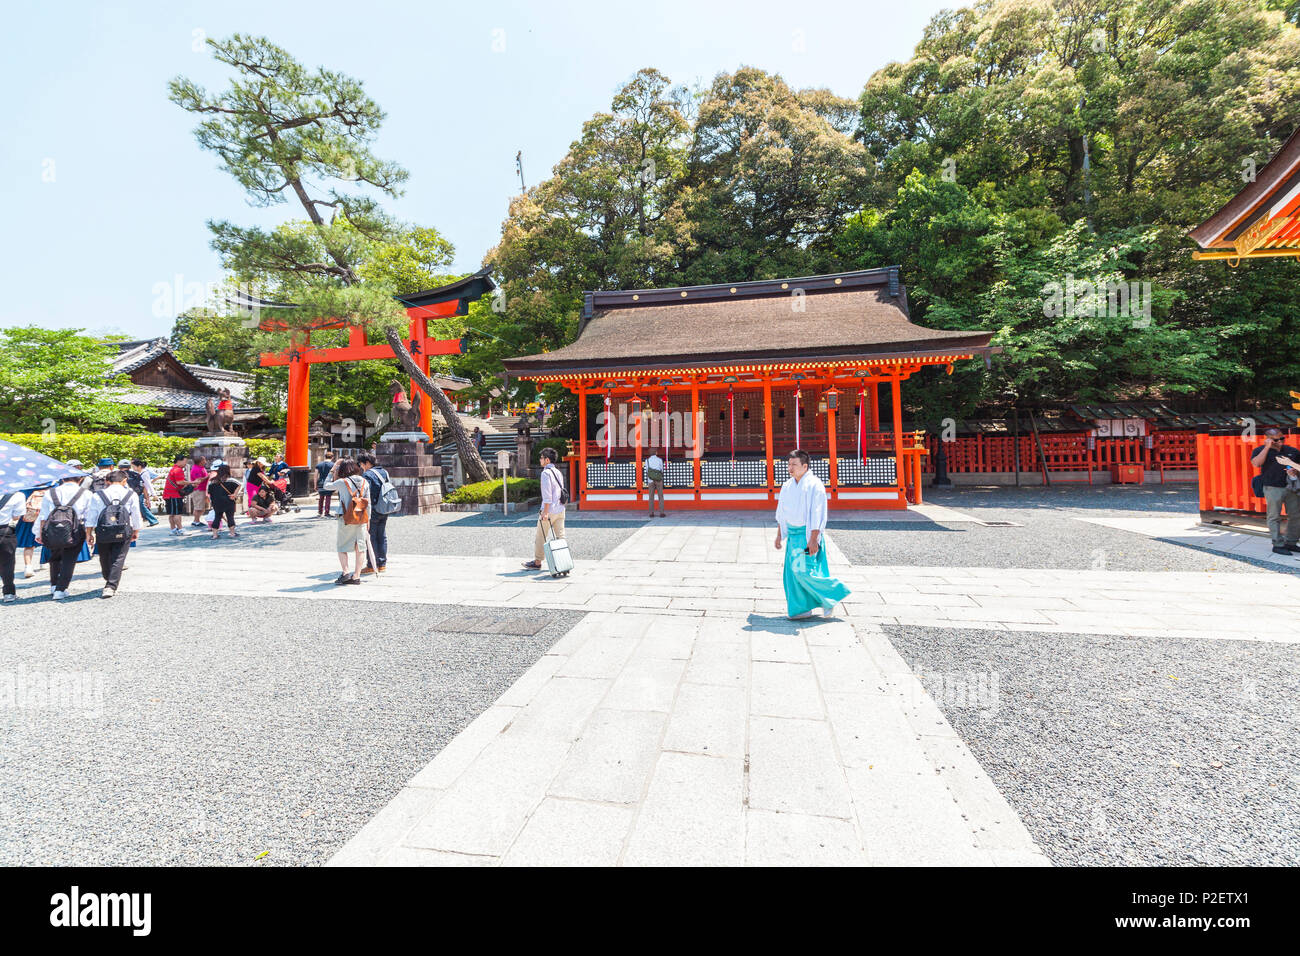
[
  {"x": 489, "y": 492},
  {"x": 561, "y": 446},
  {"x": 157, "y": 451}
]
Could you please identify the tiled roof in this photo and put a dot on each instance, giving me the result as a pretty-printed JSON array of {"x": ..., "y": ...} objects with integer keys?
[
  {"x": 239, "y": 383},
  {"x": 850, "y": 315},
  {"x": 169, "y": 399},
  {"x": 134, "y": 355}
]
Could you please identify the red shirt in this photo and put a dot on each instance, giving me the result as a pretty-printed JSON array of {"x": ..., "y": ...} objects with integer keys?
[{"x": 172, "y": 487}]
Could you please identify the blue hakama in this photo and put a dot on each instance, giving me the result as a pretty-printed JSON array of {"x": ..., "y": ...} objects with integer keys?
[{"x": 807, "y": 578}]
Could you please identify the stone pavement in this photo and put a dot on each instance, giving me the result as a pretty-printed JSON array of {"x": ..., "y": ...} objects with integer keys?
[{"x": 686, "y": 720}]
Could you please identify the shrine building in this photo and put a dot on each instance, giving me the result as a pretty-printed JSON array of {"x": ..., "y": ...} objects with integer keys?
[{"x": 723, "y": 381}]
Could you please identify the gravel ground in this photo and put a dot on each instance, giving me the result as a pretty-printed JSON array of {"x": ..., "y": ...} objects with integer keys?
[
  {"x": 469, "y": 534},
  {"x": 1129, "y": 751},
  {"x": 1173, "y": 497},
  {"x": 1045, "y": 534},
  {"x": 1043, "y": 540},
  {"x": 249, "y": 734}
]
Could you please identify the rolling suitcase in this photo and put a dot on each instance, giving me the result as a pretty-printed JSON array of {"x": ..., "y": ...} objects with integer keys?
[{"x": 558, "y": 560}]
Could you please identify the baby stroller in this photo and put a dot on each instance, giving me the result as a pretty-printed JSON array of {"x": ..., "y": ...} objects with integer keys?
[{"x": 280, "y": 489}]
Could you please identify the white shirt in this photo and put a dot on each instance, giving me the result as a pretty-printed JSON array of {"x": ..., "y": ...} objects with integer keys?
[
  {"x": 63, "y": 492},
  {"x": 802, "y": 503},
  {"x": 13, "y": 509},
  {"x": 655, "y": 462},
  {"x": 114, "y": 493},
  {"x": 551, "y": 485}
]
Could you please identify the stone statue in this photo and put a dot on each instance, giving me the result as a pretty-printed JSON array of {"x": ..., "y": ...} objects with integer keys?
[
  {"x": 405, "y": 414},
  {"x": 221, "y": 414}
]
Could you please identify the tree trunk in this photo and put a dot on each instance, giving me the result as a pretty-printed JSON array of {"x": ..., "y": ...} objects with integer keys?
[{"x": 475, "y": 470}]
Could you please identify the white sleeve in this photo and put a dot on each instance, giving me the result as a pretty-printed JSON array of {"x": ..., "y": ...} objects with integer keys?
[
  {"x": 781, "y": 521},
  {"x": 817, "y": 508}
]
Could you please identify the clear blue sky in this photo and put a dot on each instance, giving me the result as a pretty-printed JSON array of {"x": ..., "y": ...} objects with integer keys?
[{"x": 131, "y": 190}]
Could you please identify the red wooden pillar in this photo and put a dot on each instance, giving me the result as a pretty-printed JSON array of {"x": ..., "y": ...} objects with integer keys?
[
  {"x": 833, "y": 461},
  {"x": 767, "y": 436},
  {"x": 899, "y": 474},
  {"x": 299, "y": 400},
  {"x": 420, "y": 331},
  {"x": 580, "y": 488}
]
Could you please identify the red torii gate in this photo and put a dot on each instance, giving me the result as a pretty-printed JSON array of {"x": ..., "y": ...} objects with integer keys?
[{"x": 442, "y": 302}]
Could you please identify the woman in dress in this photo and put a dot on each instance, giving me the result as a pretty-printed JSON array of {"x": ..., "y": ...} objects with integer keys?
[
  {"x": 352, "y": 536},
  {"x": 26, "y": 534}
]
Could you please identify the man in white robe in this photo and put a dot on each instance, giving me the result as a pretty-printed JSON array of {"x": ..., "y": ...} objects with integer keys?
[{"x": 801, "y": 522}]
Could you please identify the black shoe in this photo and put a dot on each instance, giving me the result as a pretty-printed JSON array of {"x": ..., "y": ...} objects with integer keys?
[
  {"x": 1282, "y": 549},
  {"x": 1292, "y": 548},
  {"x": 341, "y": 579},
  {"x": 533, "y": 565},
  {"x": 352, "y": 581}
]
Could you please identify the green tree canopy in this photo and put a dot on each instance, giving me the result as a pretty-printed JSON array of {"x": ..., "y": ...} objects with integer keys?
[{"x": 60, "y": 379}]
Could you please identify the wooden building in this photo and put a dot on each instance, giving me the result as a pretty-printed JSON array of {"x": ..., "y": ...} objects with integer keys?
[
  {"x": 724, "y": 380},
  {"x": 179, "y": 393}
]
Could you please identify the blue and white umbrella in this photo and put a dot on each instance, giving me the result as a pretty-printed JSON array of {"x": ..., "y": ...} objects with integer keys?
[{"x": 22, "y": 469}]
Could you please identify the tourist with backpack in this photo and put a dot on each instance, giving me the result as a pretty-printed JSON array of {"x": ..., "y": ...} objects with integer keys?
[
  {"x": 324, "y": 475},
  {"x": 112, "y": 525},
  {"x": 550, "y": 523},
  {"x": 61, "y": 531},
  {"x": 351, "y": 538},
  {"x": 13, "y": 505},
  {"x": 384, "y": 501}
]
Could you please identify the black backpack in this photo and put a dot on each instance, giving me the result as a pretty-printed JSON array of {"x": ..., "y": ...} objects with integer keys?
[
  {"x": 135, "y": 481},
  {"x": 114, "y": 524},
  {"x": 564, "y": 490},
  {"x": 63, "y": 526}
]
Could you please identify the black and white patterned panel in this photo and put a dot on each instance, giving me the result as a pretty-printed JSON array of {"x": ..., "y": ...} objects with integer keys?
[
  {"x": 741, "y": 473},
  {"x": 877, "y": 471},
  {"x": 821, "y": 467},
  {"x": 613, "y": 474},
  {"x": 679, "y": 474}
]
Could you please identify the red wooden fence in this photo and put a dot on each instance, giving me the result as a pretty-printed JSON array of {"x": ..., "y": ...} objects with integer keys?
[
  {"x": 1066, "y": 451},
  {"x": 1225, "y": 470}
]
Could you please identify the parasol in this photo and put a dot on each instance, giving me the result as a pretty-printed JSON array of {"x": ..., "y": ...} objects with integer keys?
[{"x": 22, "y": 469}]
